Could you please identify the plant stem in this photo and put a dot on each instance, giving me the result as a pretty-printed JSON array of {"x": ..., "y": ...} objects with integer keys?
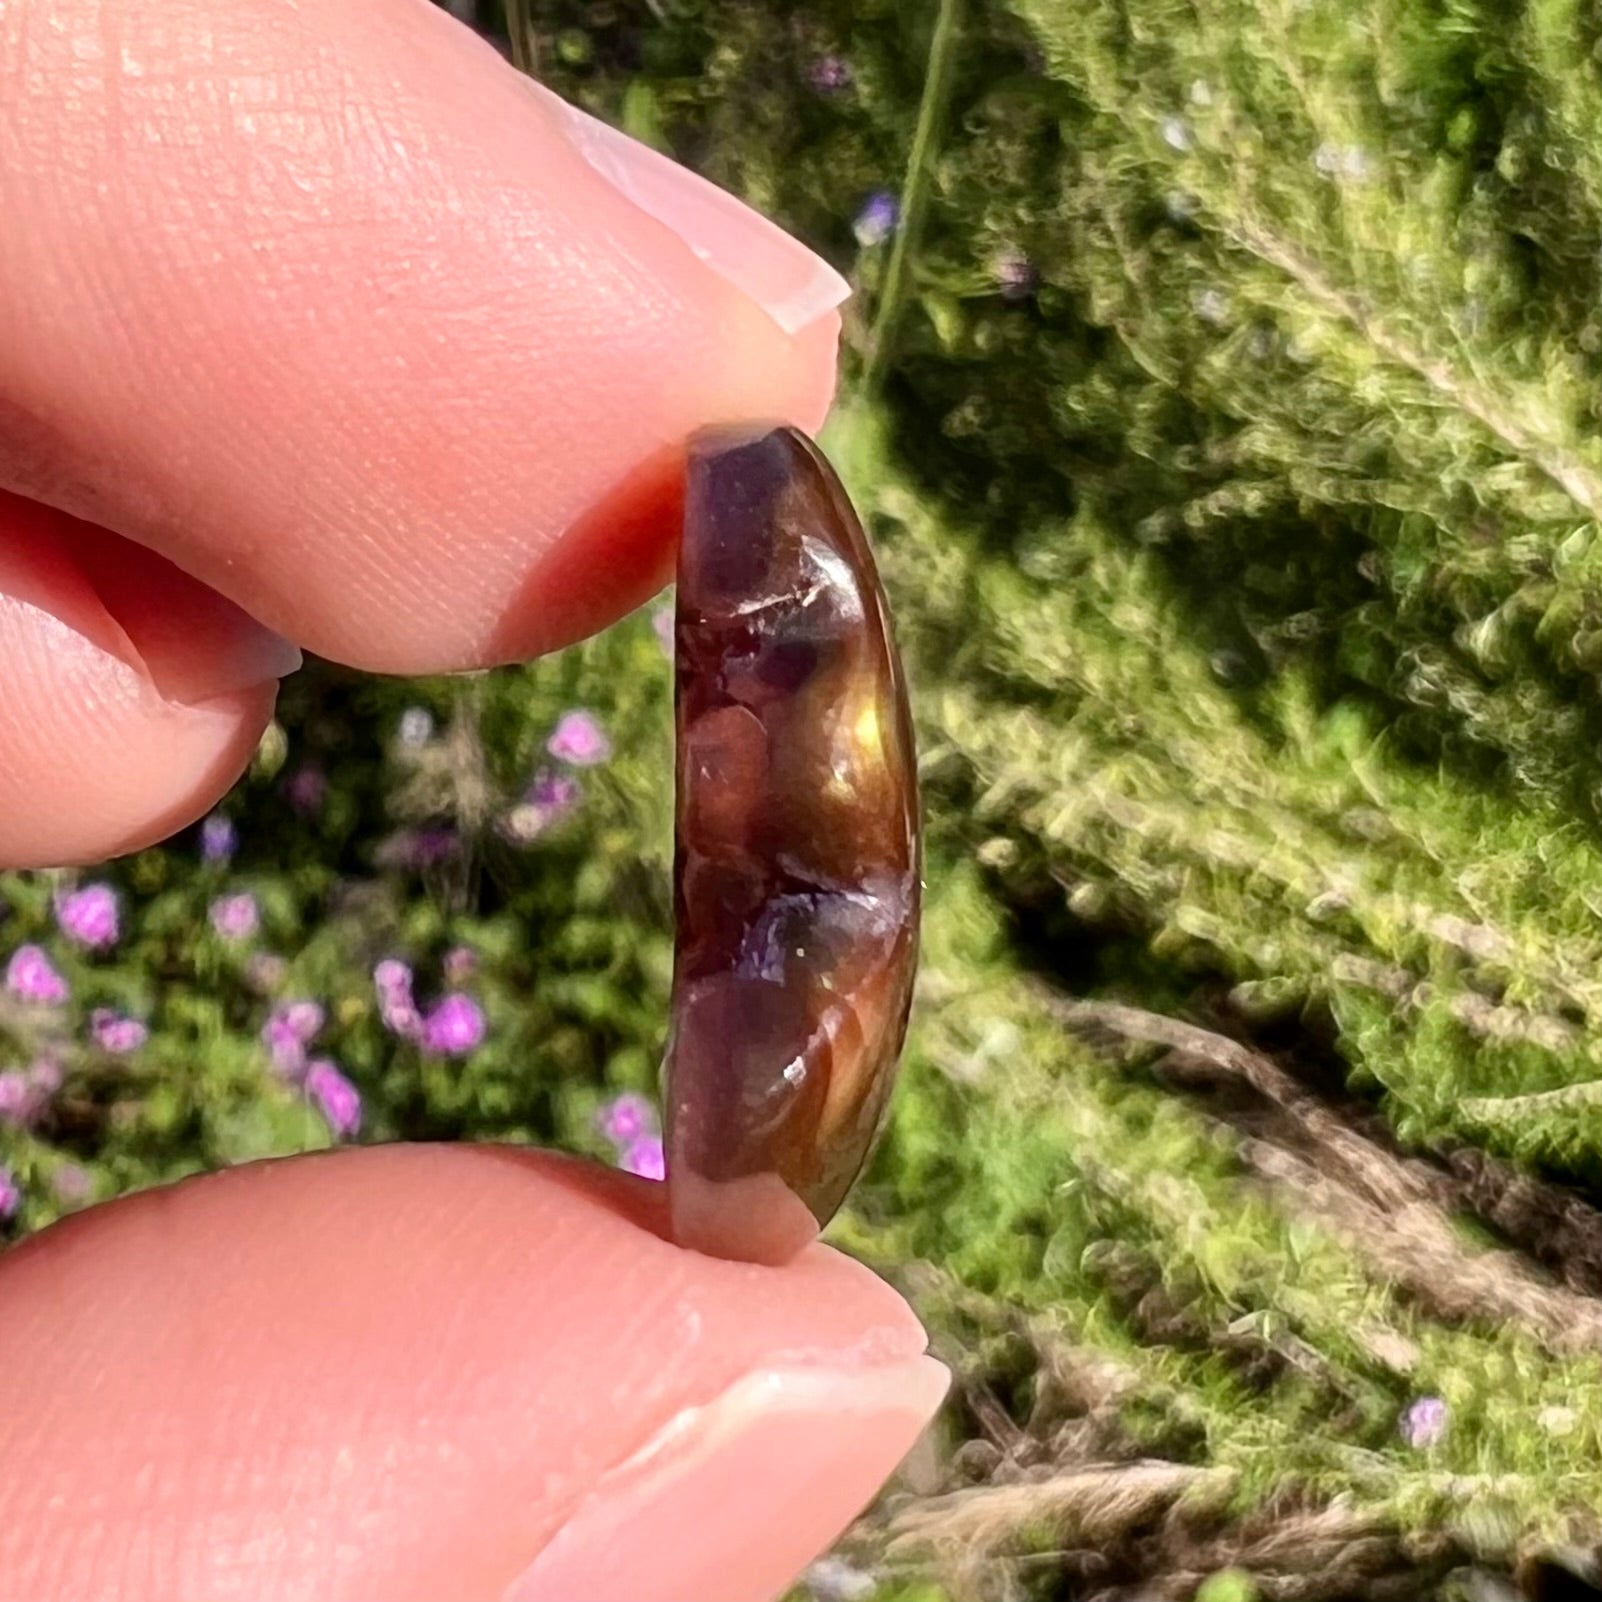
[
  {"x": 519, "y": 34},
  {"x": 915, "y": 187}
]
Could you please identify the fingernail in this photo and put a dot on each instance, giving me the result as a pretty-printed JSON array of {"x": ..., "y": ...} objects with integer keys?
[
  {"x": 193, "y": 644},
  {"x": 730, "y": 1501},
  {"x": 793, "y": 284},
  {"x": 208, "y": 650}
]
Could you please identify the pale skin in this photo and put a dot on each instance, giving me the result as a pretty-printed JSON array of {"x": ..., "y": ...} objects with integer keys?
[{"x": 316, "y": 330}]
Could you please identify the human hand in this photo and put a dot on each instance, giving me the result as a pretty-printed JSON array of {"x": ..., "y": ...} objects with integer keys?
[{"x": 320, "y": 325}]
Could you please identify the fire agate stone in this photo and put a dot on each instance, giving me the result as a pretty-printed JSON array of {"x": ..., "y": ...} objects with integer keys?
[{"x": 796, "y": 879}]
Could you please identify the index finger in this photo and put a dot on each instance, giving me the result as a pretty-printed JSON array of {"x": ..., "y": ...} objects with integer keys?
[{"x": 333, "y": 309}]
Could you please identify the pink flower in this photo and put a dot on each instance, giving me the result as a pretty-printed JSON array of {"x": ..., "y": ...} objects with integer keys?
[
  {"x": 338, "y": 1100},
  {"x": 626, "y": 1119},
  {"x": 305, "y": 790},
  {"x": 459, "y": 963},
  {"x": 289, "y": 1029},
  {"x": 645, "y": 1158},
  {"x": 550, "y": 798},
  {"x": 397, "y": 1009},
  {"x": 10, "y": 1196},
  {"x": 31, "y": 975},
  {"x": 579, "y": 739},
  {"x": 89, "y": 916},
  {"x": 453, "y": 1026},
  {"x": 830, "y": 74},
  {"x": 662, "y": 622},
  {"x": 45, "y": 1076},
  {"x": 265, "y": 972},
  {"x": 71, "y": 1184},
  {"x": 235, "y": 917},
  {"x": 116, "y": 1032},
  {"x": 1424, "y": 1422}
]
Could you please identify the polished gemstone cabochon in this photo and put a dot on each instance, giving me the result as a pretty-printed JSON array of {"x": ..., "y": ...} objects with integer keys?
[{"x": 797, "y": 864}]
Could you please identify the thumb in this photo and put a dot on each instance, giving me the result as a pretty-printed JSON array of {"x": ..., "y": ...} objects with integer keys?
[{"x": 402, "y": 1373}]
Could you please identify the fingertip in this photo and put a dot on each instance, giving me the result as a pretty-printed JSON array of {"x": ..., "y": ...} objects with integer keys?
[
  {"x": 131, "y": 697},
  {"x": 395, "y": 438}
]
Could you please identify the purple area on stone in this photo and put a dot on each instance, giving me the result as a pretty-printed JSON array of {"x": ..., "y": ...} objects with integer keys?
[{"x": 796, "y": 882}]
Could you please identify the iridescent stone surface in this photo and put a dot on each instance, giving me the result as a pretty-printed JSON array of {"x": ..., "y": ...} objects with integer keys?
[{"x": 796, "y": 880}]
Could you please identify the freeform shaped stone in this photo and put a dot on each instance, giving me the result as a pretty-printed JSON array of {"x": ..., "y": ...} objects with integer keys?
[{"x": 797, "y": 867}]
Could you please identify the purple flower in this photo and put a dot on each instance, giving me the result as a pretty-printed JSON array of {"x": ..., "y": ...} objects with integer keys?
[
  {"x": 645, "y": 1158},
  {"x": 1424, "y": 1422},
  {"x": 626, "y": 1119},
  {"x": 459, "y": 963},
  {"x": 219, "y": 839},
  {"x": 579, "y": 739},
  {"x": 31, "y": 975},
  {"x": 10, "y": 1195},
  {"x": 71, "y": 1184},
  {"x": 829, "y": 75},
  {"x": 453, "y": 1026},
  {"x": 397, "y": 1009},
  {"x": 116, "y": 1032},
  {"x": 1016, "y": 276},
  {"x": 877, "y": 220},
  {"x": 305, "y": 789},
  {"x": 235, "y": 917},
  {"x": 89, "y": 916},
  {"x": 338, "y": 1100},
  {"x": 393, "y": 977},
  {"x": 662, "y": 622},
  {"x": 290, "y": 1028},
  {"x": 550, "y": 798}
]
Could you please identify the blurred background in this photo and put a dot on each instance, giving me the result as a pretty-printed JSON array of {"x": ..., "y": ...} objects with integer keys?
[{"x": 1222, "y": 396}]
